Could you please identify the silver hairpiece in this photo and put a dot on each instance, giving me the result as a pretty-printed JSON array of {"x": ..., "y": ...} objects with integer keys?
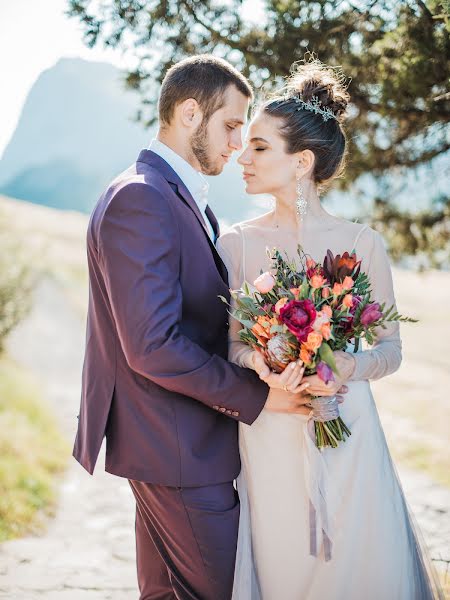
[{"x": 314, "y": 105}]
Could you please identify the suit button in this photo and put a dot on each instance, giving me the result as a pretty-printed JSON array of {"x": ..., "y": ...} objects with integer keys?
[
  {"x": 222, "y": 409},
  {"x": 215, "y": 407},
  {"x": 235, "y": 413}
]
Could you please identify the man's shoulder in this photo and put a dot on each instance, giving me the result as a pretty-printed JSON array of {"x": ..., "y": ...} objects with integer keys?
[{"x": 142, "y": 177}]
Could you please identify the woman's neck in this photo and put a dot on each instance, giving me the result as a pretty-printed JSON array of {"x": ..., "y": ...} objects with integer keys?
[{"x": 285, "y": 211}]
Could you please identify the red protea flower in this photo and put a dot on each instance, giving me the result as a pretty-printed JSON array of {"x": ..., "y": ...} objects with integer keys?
[{"x": 336, "y": 269}]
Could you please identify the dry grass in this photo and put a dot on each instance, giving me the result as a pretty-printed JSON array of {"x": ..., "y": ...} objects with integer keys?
[{"x": 32, "y": 452}]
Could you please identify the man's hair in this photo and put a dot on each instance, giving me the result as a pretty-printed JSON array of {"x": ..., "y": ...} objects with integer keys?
[{"x": 204, "y": 78}]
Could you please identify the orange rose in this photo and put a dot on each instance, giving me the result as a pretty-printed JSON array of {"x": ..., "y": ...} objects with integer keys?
[
  {"x": 264, "y": 321},
  {"x": 259, "y": 331},
  {"x": 305, "y": 355},
  {"x": 348, "y": 283},
  {"x": 274, "y": 321},
  {"x": 326, "y": 292},
  {"x": 327, "y": 310},
  {"x": 295, "y": 291},
  {"x": 310, "y": 263},
  {"x": 325, "y": 330},
  {"x": 313, "y": 341},
  {"x": 348, "y": 300},
  {"x": 317, "y": 281},
  {"x": 338, "y": 288},
  {"x": 279, "y": 305}
]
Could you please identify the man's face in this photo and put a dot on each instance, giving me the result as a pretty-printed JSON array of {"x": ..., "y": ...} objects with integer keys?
[{"x": 213, "y": 142}]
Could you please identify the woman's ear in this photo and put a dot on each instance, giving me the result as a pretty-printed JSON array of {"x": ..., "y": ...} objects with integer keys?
[{"x": 306, "y": 160}]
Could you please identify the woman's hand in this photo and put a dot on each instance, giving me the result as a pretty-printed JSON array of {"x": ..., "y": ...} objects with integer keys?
[
  {"x": 289, "y": 380},
  {"x": 345, "y": 364}
]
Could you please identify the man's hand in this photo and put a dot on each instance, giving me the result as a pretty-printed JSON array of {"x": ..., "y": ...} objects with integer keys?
[
  {"x": 289, "y": 380},
  {"x": 286, "y": 402},
  {"x": 345, "y": 364}
]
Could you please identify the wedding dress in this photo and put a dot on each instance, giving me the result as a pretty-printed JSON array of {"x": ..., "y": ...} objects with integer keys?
[{"x": 354, "y": 489}]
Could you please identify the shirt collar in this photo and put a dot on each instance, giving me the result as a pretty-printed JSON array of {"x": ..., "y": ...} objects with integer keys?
[{"x": 193, "y": 180}]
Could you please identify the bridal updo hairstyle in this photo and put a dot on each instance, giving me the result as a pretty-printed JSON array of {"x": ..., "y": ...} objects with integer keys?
[{"x": 305, "y": 130}]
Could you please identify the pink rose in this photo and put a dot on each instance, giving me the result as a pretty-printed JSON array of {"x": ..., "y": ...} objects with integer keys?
[
  {"x": 279, "y": 305},
  {"x": 264, "y": 283}
]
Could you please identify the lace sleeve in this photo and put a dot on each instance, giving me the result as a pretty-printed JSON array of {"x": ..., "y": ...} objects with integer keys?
[
  {"x": 229, "y": 246},
  {"x": 385, "y": 356}
]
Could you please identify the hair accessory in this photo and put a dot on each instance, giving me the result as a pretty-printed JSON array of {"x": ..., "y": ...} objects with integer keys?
[{"x": 314, "y": 105}]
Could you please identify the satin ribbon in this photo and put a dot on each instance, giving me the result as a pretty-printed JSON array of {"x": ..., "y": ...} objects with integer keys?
[{"x": 320, "y": 497}]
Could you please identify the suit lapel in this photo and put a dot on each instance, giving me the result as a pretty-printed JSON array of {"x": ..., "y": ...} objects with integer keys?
[{"x": 154, "y": 160}]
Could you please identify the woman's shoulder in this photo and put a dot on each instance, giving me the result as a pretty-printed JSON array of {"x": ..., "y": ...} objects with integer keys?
[
  {"x": 360, "y": 234},
  {"x": 232, "y": 235}
]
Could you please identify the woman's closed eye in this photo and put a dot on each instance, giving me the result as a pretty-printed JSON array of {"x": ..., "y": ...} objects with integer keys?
[{"x": 260, "y": 149}]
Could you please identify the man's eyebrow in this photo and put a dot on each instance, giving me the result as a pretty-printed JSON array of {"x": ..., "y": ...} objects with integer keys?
[{"x": 236, "y": 120}]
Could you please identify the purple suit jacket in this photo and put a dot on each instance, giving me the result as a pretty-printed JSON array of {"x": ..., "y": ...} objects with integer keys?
[{"x": 156, "y": 380}]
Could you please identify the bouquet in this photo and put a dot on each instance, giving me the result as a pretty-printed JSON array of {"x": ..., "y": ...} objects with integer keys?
[{"x": 308, "y": 312}]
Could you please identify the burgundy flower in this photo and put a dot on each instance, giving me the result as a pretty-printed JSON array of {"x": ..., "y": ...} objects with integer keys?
[
  {"x": 347, "y": 322},
  {"x": 324, "y": 372},
  {"x": 298, "y": 316},
  {"x": 370, "y": 313},
  {"x": 356, "y": 301}
]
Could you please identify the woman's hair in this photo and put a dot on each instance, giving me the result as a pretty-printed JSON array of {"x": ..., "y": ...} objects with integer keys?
[
  {"x": 311, "y": 108},
  {"x": 203, "y": 77}
]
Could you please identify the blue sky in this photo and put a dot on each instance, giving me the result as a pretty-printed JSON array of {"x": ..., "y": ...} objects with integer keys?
[{"x": 33, "y": 36}]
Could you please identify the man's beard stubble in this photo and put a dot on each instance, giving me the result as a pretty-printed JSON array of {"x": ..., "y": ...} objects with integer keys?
[{"x": 200, "y": 149}]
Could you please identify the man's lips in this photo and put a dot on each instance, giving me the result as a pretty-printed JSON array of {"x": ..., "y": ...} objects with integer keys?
[
  {"x": 226, "y": 157},
  {"x": 247, "y": 175}
]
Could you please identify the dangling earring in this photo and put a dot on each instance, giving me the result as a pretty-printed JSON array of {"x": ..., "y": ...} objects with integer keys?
[{"x": 301, "y": 202}]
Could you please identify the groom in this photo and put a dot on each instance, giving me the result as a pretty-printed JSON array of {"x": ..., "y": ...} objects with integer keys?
[{"x": 156, "y": 381}]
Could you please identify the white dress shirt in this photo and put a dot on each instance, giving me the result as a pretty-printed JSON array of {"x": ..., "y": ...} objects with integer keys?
[{"x": 193, "y": 180}]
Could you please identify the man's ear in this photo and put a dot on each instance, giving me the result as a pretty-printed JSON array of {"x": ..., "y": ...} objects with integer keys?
[{"x": 189, "y": 113}]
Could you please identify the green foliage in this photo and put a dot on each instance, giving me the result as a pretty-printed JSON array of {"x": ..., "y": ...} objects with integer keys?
[
  {"x": 31, "y": 453},
  {"x": 16, "y": 283},
  {"x": 424, "y": 235},
  {"x": 396, "y": 54}
]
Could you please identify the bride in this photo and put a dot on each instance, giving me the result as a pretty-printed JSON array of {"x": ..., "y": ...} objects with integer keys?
[{"x": 331, "y": 524}]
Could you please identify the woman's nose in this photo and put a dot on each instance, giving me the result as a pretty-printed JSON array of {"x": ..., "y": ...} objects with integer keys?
[{"x": 244, "y": 158}]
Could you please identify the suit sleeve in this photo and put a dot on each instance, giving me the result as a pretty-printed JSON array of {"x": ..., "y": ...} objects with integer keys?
[{"x": 139, "y": 249}]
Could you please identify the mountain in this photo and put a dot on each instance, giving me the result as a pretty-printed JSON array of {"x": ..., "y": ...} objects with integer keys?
[{"x": 76, "y": 133}]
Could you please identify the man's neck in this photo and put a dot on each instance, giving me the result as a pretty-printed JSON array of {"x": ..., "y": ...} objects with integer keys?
[{"x": 179, "y": 146}]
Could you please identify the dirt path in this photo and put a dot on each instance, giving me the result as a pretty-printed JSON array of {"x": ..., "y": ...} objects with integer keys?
[{"x": 87, "y": 551}]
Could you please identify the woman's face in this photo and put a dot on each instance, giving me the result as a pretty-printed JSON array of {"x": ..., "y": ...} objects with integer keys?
[{"x": 268, "y": 168}]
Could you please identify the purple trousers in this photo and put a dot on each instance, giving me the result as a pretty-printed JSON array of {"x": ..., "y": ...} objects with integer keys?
[{"x": 185, "y": 541}]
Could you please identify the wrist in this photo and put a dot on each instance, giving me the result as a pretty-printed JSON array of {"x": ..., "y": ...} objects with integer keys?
[
  {"x": 347, "y": 365},
  {"x": 249, "y": 360}
]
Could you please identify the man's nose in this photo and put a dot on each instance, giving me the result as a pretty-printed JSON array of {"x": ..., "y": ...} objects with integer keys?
[{"x": 235, "y": 141}]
